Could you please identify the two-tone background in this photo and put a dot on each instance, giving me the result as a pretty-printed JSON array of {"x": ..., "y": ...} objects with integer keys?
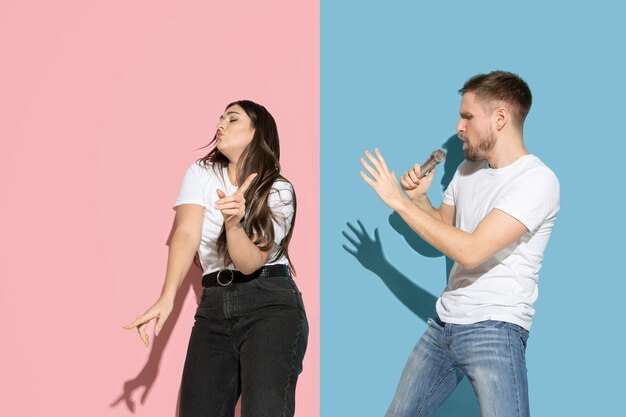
[{"x": 104, "y": 104}]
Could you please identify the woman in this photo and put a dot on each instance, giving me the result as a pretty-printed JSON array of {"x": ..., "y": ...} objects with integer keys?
[{"x": 250, "y": 332}]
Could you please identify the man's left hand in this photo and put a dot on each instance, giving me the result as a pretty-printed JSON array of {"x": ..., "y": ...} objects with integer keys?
[{"x": 383, "y": 181}]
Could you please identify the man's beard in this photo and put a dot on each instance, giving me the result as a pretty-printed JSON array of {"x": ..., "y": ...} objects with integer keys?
[{"x": 479, "y": 151}]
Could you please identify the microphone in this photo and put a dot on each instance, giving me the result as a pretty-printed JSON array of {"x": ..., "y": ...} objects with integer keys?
[{"x": 435, "y": 158}]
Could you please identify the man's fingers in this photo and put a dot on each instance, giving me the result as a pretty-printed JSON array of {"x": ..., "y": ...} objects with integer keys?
[
  {"x": 414, "y": 173},
  {"x": 246, "y": 184},
  {"x": 367, "y": 179},
  {"x": 381, "y": 159},
  {"x": 407, "y": 185},
  {"x": 374, "y": 162},
  {"x": 369, "y": 169}
]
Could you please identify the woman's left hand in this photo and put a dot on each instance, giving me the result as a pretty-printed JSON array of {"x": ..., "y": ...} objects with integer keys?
[{"x": 233, "y": 207}]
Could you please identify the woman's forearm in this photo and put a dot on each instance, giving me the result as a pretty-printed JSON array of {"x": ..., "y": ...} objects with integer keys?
[
  {"x": 246, "y": 256},
  {"x": 182, "y": 250}
]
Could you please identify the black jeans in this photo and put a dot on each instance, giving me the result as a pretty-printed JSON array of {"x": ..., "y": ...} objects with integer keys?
[{"x": 248, "y": 339}]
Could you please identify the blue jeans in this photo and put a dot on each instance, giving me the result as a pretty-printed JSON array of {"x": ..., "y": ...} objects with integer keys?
[
  {"x": 490, "y": 353},
  {"x": 248, "y": 339}
]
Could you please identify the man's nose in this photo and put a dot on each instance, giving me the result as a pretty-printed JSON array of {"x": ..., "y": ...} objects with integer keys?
[{"x": 460, "y": 126}]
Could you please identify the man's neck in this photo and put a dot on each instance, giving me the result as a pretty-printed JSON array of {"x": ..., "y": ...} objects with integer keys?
[{"x": 507, "y": 150}]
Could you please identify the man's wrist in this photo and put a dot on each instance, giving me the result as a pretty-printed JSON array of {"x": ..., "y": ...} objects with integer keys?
[{"x": 402, "y": 205}]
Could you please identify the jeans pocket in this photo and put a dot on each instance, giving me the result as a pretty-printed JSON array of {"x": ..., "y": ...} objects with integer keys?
[
  {"x": 492, "y": 324},
  {"x": 522, "y": 334},
  {"x": 275, "y": 284}
]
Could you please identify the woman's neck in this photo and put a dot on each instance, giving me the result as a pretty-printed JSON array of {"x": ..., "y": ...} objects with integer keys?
[{"x": 232, "y": 173}]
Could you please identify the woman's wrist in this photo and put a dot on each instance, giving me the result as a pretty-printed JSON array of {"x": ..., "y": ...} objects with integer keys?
[{"x": 232, "y": 225}]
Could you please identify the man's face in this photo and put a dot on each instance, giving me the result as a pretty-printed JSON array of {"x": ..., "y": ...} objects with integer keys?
[{"x": 475, "y": 129}]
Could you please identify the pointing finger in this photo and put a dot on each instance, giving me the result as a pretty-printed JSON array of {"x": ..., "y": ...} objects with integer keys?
[{"x": 246, "y": 184}]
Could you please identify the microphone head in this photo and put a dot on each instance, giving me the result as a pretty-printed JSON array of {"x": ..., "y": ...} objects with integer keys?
[{"x": 439, "y": 155}]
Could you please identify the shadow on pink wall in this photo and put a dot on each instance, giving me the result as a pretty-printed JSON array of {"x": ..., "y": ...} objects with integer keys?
[{"x": 146, "y": 378}]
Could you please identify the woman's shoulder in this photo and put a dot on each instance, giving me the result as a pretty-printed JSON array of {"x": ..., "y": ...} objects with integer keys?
[
  {"x": 281, "y": 193},
  {"x": 203, "y": 169},
  {"x": 282, "y": 184}
]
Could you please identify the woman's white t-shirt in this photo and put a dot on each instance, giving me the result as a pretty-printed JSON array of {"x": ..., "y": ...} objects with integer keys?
[{"x": 200, "y": 186}]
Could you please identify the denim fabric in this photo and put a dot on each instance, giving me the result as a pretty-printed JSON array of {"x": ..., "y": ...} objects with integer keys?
[
  {"x": 490, "y": 353},
  {"x": 248, "y": 339}
]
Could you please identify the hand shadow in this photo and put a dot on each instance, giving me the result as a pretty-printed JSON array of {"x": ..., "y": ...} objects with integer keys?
[
  {"x": 369, "y": 252},
  {"x": 146, "y": 378}
]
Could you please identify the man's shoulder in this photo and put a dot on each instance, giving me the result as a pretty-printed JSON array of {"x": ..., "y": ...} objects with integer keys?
[{"x": 533, "y": 167}]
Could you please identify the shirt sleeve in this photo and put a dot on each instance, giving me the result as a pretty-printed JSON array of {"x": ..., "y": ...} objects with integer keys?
[
  {"x": 192, "y": 189},
  {"x": 449, "y": 195},
  {"x": 532, "y": 198},
  {"x": 281, "y": 204}
]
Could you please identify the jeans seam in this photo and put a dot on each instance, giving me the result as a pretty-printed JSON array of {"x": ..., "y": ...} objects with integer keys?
[
  {"x": 431, "y": 392},
  {"x": 293, "y": 362},
  {"x": 229, "y": 396},
  {"x": 512, "y": 353}
]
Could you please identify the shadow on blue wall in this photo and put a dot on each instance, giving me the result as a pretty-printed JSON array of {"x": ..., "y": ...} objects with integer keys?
[{"x": 368, "y": 250}]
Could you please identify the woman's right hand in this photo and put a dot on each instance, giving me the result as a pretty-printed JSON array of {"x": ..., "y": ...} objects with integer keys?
[{"x": 160, "y": 310}]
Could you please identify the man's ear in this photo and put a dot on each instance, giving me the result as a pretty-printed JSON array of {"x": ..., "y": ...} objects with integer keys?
[{"x": 502, "y": 116}]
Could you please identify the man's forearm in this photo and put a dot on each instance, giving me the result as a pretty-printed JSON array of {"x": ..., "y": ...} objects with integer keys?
[
  {"x": 427, "y": 223},
  {"x": 424, "y": 203}
]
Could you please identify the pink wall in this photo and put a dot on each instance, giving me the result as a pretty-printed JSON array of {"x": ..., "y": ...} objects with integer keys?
[{"x": 102, "y": 105}]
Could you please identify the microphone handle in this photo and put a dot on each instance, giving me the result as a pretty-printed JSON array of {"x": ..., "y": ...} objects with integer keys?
[
  {"x": 435, "y": 158},
  {"x": 427, "y": 167}
]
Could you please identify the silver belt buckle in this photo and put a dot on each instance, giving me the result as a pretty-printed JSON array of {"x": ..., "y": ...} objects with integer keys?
[{"x": 225, "y": 284}]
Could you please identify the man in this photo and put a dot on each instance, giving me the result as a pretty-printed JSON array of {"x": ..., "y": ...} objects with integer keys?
[{"x": 495, "y": 221}]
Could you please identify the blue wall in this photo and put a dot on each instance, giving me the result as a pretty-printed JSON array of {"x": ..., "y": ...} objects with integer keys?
[{"x": 390, "y": 72}]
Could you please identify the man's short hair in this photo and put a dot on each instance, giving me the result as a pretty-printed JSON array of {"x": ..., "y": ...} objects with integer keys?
[{"x": 502, "y": 86}]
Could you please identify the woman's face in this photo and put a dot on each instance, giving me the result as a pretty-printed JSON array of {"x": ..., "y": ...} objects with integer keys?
[{"x": 234, "y": 132}]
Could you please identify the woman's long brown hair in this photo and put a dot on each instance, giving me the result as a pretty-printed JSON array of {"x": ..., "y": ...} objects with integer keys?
[{"x": 262, "y": 155}]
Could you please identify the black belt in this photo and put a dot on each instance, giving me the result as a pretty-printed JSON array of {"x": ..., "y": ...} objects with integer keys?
[{"x": 228, "y": 276}]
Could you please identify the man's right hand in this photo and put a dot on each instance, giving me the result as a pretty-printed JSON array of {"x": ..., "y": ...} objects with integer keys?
[{"x": 416, "y": 188}]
